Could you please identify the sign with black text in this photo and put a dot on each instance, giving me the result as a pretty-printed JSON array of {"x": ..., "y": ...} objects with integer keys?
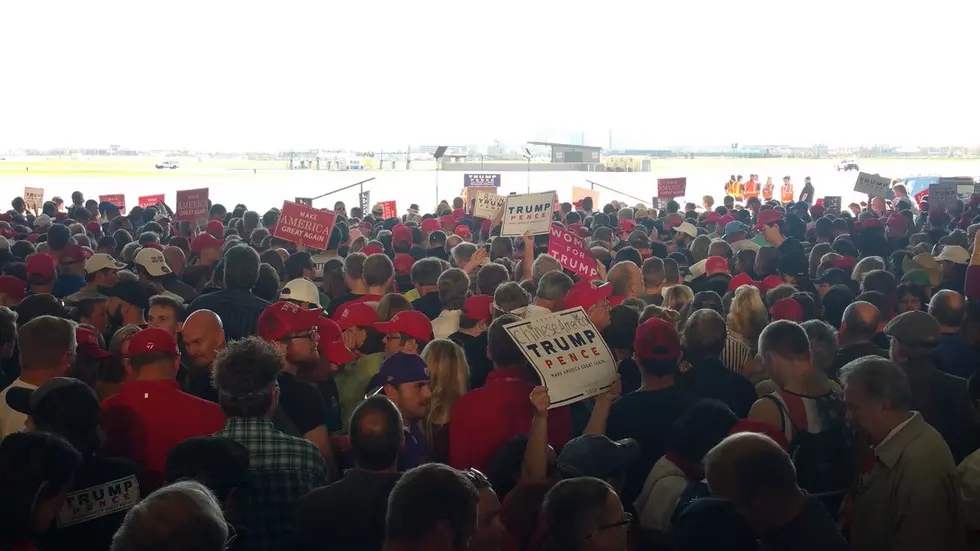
[
  {"x": 569, "y": 354},
  {"x": 34, "y": 198},
  {"x": 488, "y": 205},
  {"x": 486, "y": 181},
  {"x": 670, "y": 188},
  {"x": 364, "y": 201},
  {"x": 528, "y": 212},
  {"x": 872, "y": 184},
  {"x": 98, "y": 501},
  {"x": 831, "y": 204},
  {"x": 942, "y": 196}
]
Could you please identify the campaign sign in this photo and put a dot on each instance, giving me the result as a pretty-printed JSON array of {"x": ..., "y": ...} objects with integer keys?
[
  {"x": 305, "y": 201},
  {"x": 568, "y": 353},
  {"x": 192, "y": 205},
  {"x": 305, "y": 226},
  {"x": 832, "y": 204},
  {"x": 486, "y": 181},
  {"x": 98, "y": 501},
  {"x": 942, "y": 196},
  {"x": 488, "y": 205},
  {"x": 151, "y": 200},
  {"x": 364, "y": 201},
  {"x": 34, "y": 198},
  {"x": 528, "y": 212},
  {"x": 117, "y": 199},
  {"x": 388, "y": 209},
  {"x": 872, "y": 184},
  {"x": 669, "y": 188},
  {"x": 580, "y": 193},
  {"x": 572, "y": 253}
]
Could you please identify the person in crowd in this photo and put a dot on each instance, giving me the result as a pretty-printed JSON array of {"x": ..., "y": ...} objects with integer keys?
[
  {"x": 472, "y": 336},
  {"x": 150, "y": 414},
  {"x": 36, "y": 473},
  {"x": 757, "y": 474},
  {"x": 360, "y": 336},
  {"x": 432, "y": 507},
  {"x": 585, "y": 513},
  {"x": 619, "y": 337},
  {"x": 449, "y": 380},
  {"x": 152, "y": 269},
  {"x": 293, "y": 331},
  {"x": 404, "y": 379},
  {"x": 8, "y": 345},
  {"x": 41, "y": 274},
  {"x": 91, "y": 311},
  {"x": 857, "y": 329},
  {"x": 552, "y": 288},
  {"x": 46, "y": 346},
  {"x": 625, "y": 280},
  {"x": 746, "y": 318},
  {"x": 475, "y": 438},
  {"x": 69, "y": 408},
  {"x": 594, "y": 300},
  {"x": 407, "y": 332},
  {"x": 378, "y": 277},
  {"x": 351, "y": 512},
  {"x": 165, "y": 312},
  {"x": 126, "y": 303},
  {"x": 237, "y": 307},
  {"x": 953, "y": 355},
  {"x": 772, "y": 226},
  {"x": 676, "y": 296},
  {"x": 647, "y": 414},
  {"x": 833, "y": 304},
  {"x": 391, "y": 304},
  {"x": 909, "y": 497},
  {"x": 283, "y": 468},
  {"x": 704, "y": 337},
  {"x": 425, "y": 277},
  {"x": 453, "y": 286},
  {"x": 943, "y": 400},
  {"x": 71, "y": 267},
  {"x": 202, "y": 335},
  {"x": 100, "y": 271},
  {"x": 302, "y": 292},
  {"x": 654, "y": 278},
  {"x": 12, "y": 290},
  {"x": 185, "y": 515},
  {"x": 220, "y": 464},
  {"x": 910, "y": 296}
]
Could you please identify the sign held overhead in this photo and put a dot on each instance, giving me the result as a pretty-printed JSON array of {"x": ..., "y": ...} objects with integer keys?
[
  {"x": 670, "y": 188},
  {"x": 528, "y": 212},
  {"x": 305, "y": 226},
  {"x": 192, "y": 205},
  {"x": 872, "y": 184}
]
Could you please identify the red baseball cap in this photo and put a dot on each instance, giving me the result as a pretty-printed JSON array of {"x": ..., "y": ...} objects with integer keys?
[
  {"x": 13, "y": 287},
  {"x": 205, "y": 241},
  {"x": 727, "y": 218},
  {"x": 430, "y": 224},
  {"x": 462, "y": 230},
  {"x": 32, "y": 238},
  {"x": 673, "y": 220},
  {"x": 331, "y": 344},
  {"x": 741, "y": 279},
  {"x": 412, "y": 323},
  {"x": 283, "y": 318},
  {"x": 786, "y": 309},
  {"x": 447, "y": 222},
  {"x": 712, "y": 218},
  {"x": 216, "y": 229},
  {"x": 42, "y": 265},
  {"x": 93, "y": 226},
  {"x": 401, "y": 235},
  {"x": 897, "y": 221},
  {"x": 153, "y": 340},
  {"x": 816, "y": 211},
  {"x": 585, "y": 295},
  {"x": 357, "y": 315},
  {"x": 372, "y": 249},
  {"x": 770, "y": 282},
  {"x": 74, "y": 253},
  {"x": 656, "y": 339},
  {"x": 403, "y": 264},
  {"x": 88, "y": 342},
  {"x": 716, "y": 265},
  {"x": 477, "y": 307},
  {"x": 844, "y": 263},
  {"x": 767, "y": 217}
]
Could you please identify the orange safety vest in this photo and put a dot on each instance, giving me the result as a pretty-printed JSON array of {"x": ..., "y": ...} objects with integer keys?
[
  {"x": 751, "y": 189},
  {"x": 737, "y": 192},
  {"x": 787, "y": 193},
  {"x": 767, "y": 190},
  {"x": 730, "y": 188}
]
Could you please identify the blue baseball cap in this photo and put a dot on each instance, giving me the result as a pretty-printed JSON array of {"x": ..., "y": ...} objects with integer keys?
[
  {"x": 735, "y": 227},
  {"x": 401, "y": 368}
]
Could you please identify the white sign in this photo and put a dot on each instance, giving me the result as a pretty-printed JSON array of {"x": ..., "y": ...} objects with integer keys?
[
  {"x": 98, "y": 501},
  {"x": 488, "y": 205},
  {"x": 34, "y": 198},
  {"x": 942, "y": 196},
  {"x": 568, "y": 353},
  {"x": 872, "y": 184},
  {"x": 529, "y": 212}
]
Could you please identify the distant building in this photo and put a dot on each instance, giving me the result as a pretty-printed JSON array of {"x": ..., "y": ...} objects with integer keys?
[{"x": 568, "y": 153}]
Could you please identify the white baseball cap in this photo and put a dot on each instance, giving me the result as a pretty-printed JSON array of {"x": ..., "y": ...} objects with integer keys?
[
  {"x": 955, "y": 254},
  {"x": 302, "y": 290},
  {"x": 153, "y": 261},
  {"x": 102, "y": 261},
  {"x": 688, "y": 228},
  {"x": 43, "y": 221}
]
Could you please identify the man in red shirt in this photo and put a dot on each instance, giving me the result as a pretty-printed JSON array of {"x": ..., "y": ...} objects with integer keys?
[
  {"x": 484, "y": 419},
  {"x": 151, "y": 415}
]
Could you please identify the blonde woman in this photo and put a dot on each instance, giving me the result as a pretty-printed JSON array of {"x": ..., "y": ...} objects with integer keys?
[
  {"x": 676, "y": 296},
  {"x": 391, "y": 304},
  {"x": 747, "y": 316},
  {"x": 449, "y": 380}
]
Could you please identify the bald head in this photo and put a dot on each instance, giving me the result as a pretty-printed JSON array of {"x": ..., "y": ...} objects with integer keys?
[
  {"x": 860, "y": 322},
  {"x": 949, "y": 309},
  {"x": 626, "y": 279},
  {"x": 747, "y": 467},
  {"x": 175, "y": 259},
  {"x": 203, "y": 336}
]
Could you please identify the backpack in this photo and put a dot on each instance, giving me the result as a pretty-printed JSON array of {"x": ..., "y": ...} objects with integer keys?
[{"x": 826, "y": 462}]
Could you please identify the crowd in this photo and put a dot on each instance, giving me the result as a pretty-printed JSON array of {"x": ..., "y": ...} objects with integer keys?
[{"x": 788, "y": 378}]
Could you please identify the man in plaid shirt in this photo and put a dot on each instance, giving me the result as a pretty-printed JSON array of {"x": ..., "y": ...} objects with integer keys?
[{"x": 284, "y": 468}]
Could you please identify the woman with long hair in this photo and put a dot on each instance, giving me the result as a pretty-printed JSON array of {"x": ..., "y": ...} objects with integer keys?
[
  {"x": 449, "y": 380},
  {"x": 747, "y": 317},
  {"x": 391, "y": 304},
  {"x": 676, "y": 296}
]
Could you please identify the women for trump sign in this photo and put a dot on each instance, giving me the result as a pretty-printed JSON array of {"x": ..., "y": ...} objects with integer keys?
[
  {"x": 528, "y": 212},
  {"x": 568, "y": 353},
  {"x": 572, "y": 253}
]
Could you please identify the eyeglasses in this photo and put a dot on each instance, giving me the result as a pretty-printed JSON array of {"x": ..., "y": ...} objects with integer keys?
[
  {"x": 478, "y": 479},
  {"x": 308, "y": 335},
  {"x": 627, "y": 520},
  {"x": 232, "y": 535}
]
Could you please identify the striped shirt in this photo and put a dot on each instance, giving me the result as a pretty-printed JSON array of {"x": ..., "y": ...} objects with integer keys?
[
  {"x": 239, "y": 311},
  {"x": 822, "y": 412},
  {"x": 736, "y": 353}
]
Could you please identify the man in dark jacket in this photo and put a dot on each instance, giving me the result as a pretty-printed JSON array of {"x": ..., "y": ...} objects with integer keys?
[
  {"x": 707, "y": 376},
  {"x": 859, "y": 325}
]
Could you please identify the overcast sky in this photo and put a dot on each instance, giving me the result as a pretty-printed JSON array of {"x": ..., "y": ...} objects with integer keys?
[{"x": 270, "y": 75}]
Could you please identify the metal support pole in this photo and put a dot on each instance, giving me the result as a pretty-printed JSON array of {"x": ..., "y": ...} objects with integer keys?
[
  {"x": 594, "y": 184},
  {"x": 361, "y": 183}
]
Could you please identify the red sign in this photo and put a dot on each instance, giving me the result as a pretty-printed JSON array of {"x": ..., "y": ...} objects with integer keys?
[
  {"x": 669, "y": 188},
  {"x": 571, "y": 252},
  {"x": 305, "y": 226},
  {"x": 117, "y": 199},
  {"x": 192, "y": 205},
  {"x": 388, "y": 209},
  {"x": 151, "y": 200}
]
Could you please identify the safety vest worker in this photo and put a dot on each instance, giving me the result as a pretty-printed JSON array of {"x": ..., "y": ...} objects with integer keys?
[
  {"x": 752, "y": 188},
  {"x": 787, "y": 191},
  {"x": 730, "y": 186},
  {"x": 737, "y": 191},
  {"x": 768, "y": 189}
]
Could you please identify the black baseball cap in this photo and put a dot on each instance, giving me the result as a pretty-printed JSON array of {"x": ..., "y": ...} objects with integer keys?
[
  {"x": 834, "y": 276},
  {"x": 222, "y": 462},
  {"x": 62, "y": 405},
  {"x": 795, "y": 265},
  {"x": 132, "y": 292},
  {"x": 597, "y": 456}
]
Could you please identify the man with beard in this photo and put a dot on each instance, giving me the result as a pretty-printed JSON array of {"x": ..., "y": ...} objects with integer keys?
[
  {"x": 203, "y": 337},
  {"x": 293, "y": 331},
  {"x": 127, "y": 300},
  {"x": 404, "y": 379}
]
